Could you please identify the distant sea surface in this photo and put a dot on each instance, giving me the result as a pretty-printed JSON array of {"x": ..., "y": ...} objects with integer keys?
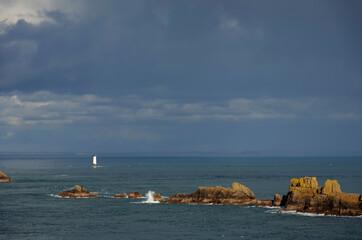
[{"x": 30, "y": 208}]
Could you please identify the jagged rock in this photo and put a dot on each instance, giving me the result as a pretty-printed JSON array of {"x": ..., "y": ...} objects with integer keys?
[
  {"x": 303, "y": 183},
  {"x": 238, "y": 194},
  {"x": 124, "y": 195},
  {"x": 158, "y": 197},
  {"x": 78, "y": 189},
  {"x": 305, "y": 196},
  {"x": 76, "y": 192},
  {"x": 134, "y": 195},
  {"x": 279, "y": 200},
  {"x": 241, "y": 188},
  {"x": 4, "y": 177},
  {"x": 330, "y": 187}
]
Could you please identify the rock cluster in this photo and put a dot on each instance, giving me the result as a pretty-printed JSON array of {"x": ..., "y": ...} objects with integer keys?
[
  {"x": 134, "y": 195},
  {"x": 237, "y": 194},
  {"x": 77, "y": 192},
  {"x": 304, "y": 195},
  {"x": 4, "y": 177},
  {"x": 124, "y": 195}
]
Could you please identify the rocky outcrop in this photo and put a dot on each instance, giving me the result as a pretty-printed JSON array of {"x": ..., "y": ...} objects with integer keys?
[
  {"x": 304, "y": 195},
  {"x": 4, "y": 177},
  {"x": 134, "y": 195},
  {"x": 279, "y": 200},
  {"x": 77, "y": 192},
  {"x": 124, "y": 195},
  {"x": 264, "y": 203},
  {"x": 158, "y": 197},
  {"x": 237, "y": 194},
  {"x": 330, "y": 187}
]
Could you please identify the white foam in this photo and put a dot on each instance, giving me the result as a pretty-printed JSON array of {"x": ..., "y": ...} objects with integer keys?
[
  {"x": 314, "y": 214},
  {"x": 302, "y": 213},
  {"x": 150, "y": 197},
  {"x": 57, "y": 196},
  {"x": 54, "y": 196},
  {"x": 268, "y": 207}
]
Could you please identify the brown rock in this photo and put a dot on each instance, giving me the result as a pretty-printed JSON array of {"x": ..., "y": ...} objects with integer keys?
[
  {"x": 158, "y": 197},
  {"x": 77, "y": 192},
  {"x": 124, "y": 195},
  {"x": 4, "y": 177},
  {"x": 279, "y": 200},
  {"x": 304, "y": 183},
  {"x": 305, "y": 196},
  {"x": 264, "y": 203},
  {"x": 134, "y": 195},
  {"x": 238, "y": 194},
  {"x": 241, "y": 188},
  {"x": 331, "y": 187},
  {"x": 78, "y": 189}
]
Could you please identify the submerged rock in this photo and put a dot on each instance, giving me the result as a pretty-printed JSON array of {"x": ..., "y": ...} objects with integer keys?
[
  {"x": 134, "y": 195},
  {"x": 124, "y": 195},
  {"x": 4, "y": 177},
  {"x": 76, "y": 192},
  {"x": 264, "y": 203},
  {"x": 304, "y": 195},
  {"x": 238, "y": 194}
]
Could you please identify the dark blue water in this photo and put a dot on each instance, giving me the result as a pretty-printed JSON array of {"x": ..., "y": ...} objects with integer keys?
[{"x": 30, "y": 210}]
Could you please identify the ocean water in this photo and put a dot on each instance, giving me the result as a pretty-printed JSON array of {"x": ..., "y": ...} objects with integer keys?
[{"x": 30, "y": 208}]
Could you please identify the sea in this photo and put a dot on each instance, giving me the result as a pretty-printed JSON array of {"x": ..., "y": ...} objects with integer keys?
[{"x": 31, "y": 209}]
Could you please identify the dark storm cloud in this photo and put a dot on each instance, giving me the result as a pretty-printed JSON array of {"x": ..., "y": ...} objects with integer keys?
[
  {"x": 201, "y": 74},
  {"x": 241, "y": 48}
]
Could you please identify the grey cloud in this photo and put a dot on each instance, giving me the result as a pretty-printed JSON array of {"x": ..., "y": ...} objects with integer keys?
[{"x": 46, "y": 108}]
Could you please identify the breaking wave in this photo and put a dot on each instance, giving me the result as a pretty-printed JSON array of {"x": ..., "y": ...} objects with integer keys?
[
  {"x": 293, "y": 212},
  {"x": 54, "y": 196},
  {"x": 150, "y": 197}
]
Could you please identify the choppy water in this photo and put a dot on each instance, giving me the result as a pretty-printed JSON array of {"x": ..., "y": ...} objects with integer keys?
[{"x": 29, "y": 208}]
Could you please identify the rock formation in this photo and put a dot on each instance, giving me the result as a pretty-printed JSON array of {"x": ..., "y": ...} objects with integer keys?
[
  {"x": 238, "y": 194},
  {"x": 124, "y": 195},
  {"x": 134, "y": 195},
  {"x": 158, "y": 197},
  {"x": 76, "y": 192},
  {"x": 4, "y": 177},
  {"x": 304, "y": 195}
]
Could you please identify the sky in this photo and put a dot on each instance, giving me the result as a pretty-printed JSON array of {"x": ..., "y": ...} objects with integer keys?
[{"x": 181, "y": 77}]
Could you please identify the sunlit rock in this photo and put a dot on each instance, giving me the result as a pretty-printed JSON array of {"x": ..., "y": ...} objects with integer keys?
[{"x": 77, "y": 192}]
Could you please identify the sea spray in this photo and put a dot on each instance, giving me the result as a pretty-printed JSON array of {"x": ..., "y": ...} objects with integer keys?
[{"x": 150, "y": 197}]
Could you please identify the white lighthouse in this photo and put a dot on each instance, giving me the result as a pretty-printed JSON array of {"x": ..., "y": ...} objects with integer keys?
[{"x": 94, "y": 161}]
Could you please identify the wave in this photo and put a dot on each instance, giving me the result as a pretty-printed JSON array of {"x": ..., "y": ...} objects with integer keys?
[
  {"x": 55, "y": 196},
  {"x": 111, "y": 196},
  {"x": 268, "y": 207},
  {"x": 150, "y": 197},
  {"x": 294, "y": 212},
  {"x": 302, "y": 213}
]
